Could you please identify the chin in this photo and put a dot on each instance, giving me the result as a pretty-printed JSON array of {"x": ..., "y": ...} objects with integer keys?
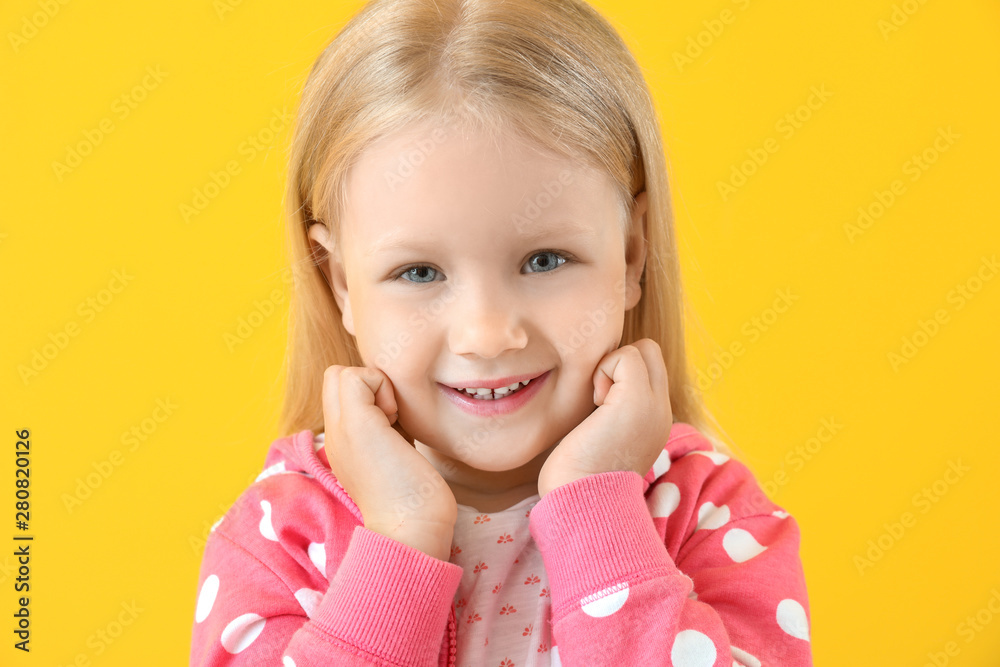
[
  {"x": 515, "y": 457},
  {"x": 485, "y": 457}
]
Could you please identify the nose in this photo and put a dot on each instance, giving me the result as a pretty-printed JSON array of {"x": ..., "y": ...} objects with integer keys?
[{"x": 487, "y": 321}]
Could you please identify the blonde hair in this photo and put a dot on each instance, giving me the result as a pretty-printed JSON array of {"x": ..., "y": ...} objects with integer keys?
[{"x": 553, "y": 72}]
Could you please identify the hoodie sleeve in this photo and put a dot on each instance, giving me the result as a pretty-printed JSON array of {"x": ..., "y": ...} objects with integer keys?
[
  {"x": 263, "y": 598},
  {"x": 733, "y": 593}
]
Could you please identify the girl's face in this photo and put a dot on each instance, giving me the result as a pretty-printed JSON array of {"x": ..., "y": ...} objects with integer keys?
[{"x": 464, "y": 262}]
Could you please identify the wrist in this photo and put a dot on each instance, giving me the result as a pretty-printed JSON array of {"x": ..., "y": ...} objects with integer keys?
[{"x": 433, "y": 542}]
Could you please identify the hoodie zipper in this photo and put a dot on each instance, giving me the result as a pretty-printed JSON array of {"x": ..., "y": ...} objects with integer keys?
[
  {"x": 449, "y": 661},
  {"x": 452, "y": 643},
  {"x": 307, "y": 453}
]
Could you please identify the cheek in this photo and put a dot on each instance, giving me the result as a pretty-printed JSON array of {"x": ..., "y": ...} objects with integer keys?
[
  {"x": 383, "y": 338},
  {"x": 589, "y": 326},
  {"x": 398, "y": 349}
]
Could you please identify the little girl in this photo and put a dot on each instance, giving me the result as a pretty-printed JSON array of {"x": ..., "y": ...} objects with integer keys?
[{"x": 496, "y": 456}]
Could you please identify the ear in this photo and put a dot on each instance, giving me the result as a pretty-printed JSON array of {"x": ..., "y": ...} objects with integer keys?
[
  {"x": 330, "y": 261},
  {"x": 635, "y": 251}
]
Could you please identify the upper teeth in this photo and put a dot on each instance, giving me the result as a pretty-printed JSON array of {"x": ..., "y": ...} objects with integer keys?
[{"x": 499, "y": 391}]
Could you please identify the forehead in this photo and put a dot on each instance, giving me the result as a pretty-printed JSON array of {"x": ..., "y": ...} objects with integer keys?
[{"x": 429, "y": 181}]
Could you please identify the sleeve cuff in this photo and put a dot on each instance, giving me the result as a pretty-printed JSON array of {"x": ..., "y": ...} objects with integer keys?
[
  {"x": 389, "y": 599},
  {"x": 596, "y": 532}
]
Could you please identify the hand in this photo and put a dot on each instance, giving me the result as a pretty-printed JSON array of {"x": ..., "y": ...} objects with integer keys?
[
  {"x": 398, "y": 491},
  {"x": 630, "y": 426}
]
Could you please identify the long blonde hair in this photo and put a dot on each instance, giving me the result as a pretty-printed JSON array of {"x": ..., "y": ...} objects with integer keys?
[{"x": 552, "y": 71}]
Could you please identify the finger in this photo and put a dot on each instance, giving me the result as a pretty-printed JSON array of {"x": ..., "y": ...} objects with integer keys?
[
  {"x": 659, "y": 380},
  {"x": 656, "y": 368},
  {"x": 331, "y": 395},
  {"x": 640, "y": 362},
  {"x": 385, "y": 395},
  {"x": 605, "y": 373},
  {"x": 369, "y": 394}
]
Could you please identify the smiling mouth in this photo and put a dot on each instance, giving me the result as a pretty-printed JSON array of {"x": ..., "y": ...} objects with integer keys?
[
  {"x": 494, "y": 394},
  {"x": 497, "y": 401}
]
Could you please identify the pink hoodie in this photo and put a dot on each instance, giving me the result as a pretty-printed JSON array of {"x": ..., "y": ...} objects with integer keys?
[{"x": 690, "y": 565}]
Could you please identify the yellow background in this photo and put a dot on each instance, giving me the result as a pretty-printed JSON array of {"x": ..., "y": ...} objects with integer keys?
[{"x": 160, "y": 337}]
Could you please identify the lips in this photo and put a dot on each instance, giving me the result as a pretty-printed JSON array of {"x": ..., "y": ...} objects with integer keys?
[
  {"x": 484, "y": 407},
  {"x": 495, "y": 383},
  {"x": 494, "y": 395}
]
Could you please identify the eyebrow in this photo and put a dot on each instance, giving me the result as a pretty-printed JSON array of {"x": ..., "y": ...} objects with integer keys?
[{"x": 392, "y": 240}]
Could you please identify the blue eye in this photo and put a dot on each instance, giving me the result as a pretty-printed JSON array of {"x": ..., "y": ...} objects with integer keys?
[
  {"x": 416, "y": 271},
  {"x": 419, "y": 272},
  {"x": 549, "y": 264}
]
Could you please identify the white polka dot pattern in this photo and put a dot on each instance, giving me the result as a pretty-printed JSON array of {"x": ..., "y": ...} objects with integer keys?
[
  {"x": 662, "y": 464},
  {"x": 241, "y": 632},
  {"x": 744, "y": 658},
  {"x": 663, "y": 500},
  {"x": 317, "y": 554},
  {"x": 741, "y": 545},
  {"x": 277, "y": 468},
  {"x": 718, "y": 458},
  {"x": 692, "y": 649},
  {"x": 711, "y": 517},
  {"x": 714, "y": 522},
  {"x": 266, "y": 527},
  {"x": 206, "y": 599},
  {"x": 309, "y": 599},
  {"x": 606, "y": 602},
  {"x": 792, "y": 619}
]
